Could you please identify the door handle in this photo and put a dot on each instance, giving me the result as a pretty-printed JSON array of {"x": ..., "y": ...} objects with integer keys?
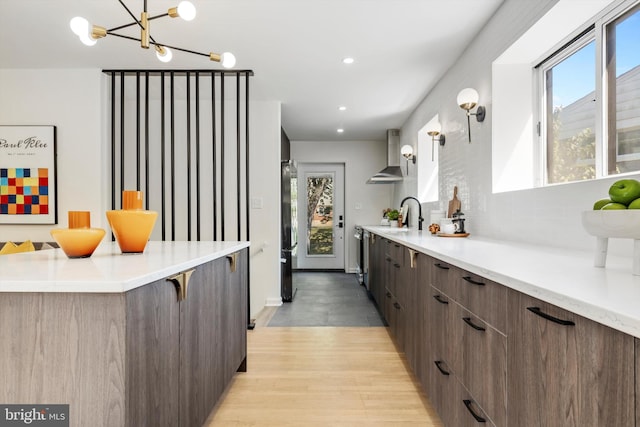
[{"x": 340, "y": 224}]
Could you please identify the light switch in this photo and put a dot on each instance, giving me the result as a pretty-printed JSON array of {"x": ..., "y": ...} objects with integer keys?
[{"x": 256, "y": 203}]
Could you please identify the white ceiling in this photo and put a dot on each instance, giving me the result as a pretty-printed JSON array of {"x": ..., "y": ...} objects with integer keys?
[{"x": 295, "y": 48}]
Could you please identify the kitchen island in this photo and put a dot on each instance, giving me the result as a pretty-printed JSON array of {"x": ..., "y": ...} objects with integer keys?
[{"x": 126, "y": 340}]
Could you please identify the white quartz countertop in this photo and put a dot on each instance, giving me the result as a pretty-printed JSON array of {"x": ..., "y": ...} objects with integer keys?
[
  {"x": 563, "y": 277},
  {"x": 107, "y": 270}
]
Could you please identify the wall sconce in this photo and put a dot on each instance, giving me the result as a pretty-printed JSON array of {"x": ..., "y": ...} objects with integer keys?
[
  {"x": 467, "y": 100},
  {"x": 407, "y": 152},
  {"x": 434, "y": 131}
]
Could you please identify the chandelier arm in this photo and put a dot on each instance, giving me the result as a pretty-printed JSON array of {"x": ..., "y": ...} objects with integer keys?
[
  {"x": 151, "y": 18},
  {"x": 132, "y": 15},
  {"x": 160, "y": 44},
  {"x": 123, "y": 26}
]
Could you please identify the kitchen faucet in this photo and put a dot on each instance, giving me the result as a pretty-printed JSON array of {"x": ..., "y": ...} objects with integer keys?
[{"x": 420, "y": 219}]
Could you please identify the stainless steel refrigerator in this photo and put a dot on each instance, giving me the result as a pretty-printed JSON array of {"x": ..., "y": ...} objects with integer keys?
[{"x": 289, "y": 228}]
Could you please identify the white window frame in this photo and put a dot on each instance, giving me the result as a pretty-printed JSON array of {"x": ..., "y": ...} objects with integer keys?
[{"x": 594, "y": 30}]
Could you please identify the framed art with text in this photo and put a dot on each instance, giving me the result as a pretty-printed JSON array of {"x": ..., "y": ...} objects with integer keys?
[{"x": 28, "y": 190}]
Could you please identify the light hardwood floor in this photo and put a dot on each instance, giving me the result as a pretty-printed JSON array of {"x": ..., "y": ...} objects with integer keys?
[{"x": 323, "y": 376}]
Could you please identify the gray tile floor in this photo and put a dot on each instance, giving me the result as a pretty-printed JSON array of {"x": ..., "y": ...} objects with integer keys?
[{"x": 327, "y": 299}]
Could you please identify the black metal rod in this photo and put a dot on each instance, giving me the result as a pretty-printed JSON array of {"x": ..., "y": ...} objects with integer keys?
[
  {"x": 188, "y": 98},
  {"x": 138, "y": 131},
  {"x": 113, "y": 142},
  {"x": 146, "y": 141},
  {"x": 122, "y": 164},
  {"x": 238, "y": 164},
  {"x": 173, "y": 162},
  {"x": 162, "y": 156},
  {"x": 222, "y": 159},
  {"x": 197, "y": 100},
  {"x": 214, "y": 149},
  {"x": 246, "y": 154}
]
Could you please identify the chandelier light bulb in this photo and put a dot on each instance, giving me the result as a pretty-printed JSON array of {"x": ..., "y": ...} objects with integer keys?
[
  {"x": 80, "y": 27},
  {"x": 186, "y": 10},
  {"x": 163, "y": 53},
  {"x": 228, "y": 60}
]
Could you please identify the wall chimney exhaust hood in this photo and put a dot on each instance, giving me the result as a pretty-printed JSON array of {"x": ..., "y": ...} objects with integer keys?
[{"x": 392, "y": 173}]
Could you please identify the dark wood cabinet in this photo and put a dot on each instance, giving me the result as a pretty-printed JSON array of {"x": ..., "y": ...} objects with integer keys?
[
  {"x": 181, "y": 355},
  {"x": 488, "y": 355},
  {"x": 565, "y": 370}
]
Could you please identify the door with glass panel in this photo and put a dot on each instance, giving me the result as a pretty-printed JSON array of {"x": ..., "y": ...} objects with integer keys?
[{"x": 321, "y": 216}]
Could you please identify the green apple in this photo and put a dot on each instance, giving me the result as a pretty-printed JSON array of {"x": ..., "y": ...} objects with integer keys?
[
  {"x": 635, "y": 204},
  {"x": 625, "y": 191},
  {"x": 600, "y": 203},
  {"x": 613, "y": 206}
]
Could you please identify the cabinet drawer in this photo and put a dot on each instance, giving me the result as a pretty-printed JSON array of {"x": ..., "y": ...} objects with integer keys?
[
  {"x": 484, "y": 298},
  {"x": 440, "y": 275},
  {"x": 481, "y": 364}
]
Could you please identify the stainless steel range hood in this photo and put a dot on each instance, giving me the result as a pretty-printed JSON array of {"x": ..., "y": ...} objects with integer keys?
[{"x": 392, "y": 173}]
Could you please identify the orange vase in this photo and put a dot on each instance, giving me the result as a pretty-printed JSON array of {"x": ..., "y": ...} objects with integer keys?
[
  {"x": 132, "y": 225},
  {"x": 79, "y": 240}
]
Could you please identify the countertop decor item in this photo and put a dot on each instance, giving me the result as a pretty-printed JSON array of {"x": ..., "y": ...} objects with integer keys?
[
  {"x": 454, "y": 203},
  {"x": 79, "y": 240},
  {"x": 132, "y": 225},
  {"x": 603, "y": 224}
]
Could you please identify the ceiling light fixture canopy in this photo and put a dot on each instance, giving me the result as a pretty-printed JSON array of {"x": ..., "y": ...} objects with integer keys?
[
  {"x": 467, "y": 100},
  {"x": 89, "y": 34}
]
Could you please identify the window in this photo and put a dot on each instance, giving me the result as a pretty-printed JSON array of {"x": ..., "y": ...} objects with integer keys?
[{"x": 590, "y": 130}]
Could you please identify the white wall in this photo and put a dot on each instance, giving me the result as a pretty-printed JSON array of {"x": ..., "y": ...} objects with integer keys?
[
  {"x": 72, "y": 100},
  {"x": 362, "y": 159},
  {"x": 548, "y": 216}
]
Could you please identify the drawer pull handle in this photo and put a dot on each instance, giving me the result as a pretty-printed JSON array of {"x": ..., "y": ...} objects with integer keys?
[
  {"x": 396, "y": 265},
  {"x": 468, "y": 321},
  {"x": 441, "y": 300},
  {"x": 396, "y": 305},
  {"x": 388, "y": 294},
  {"x": 388, "y": 259},
  {"x": 443, "y": 267},
  {"x": 397, "y": 246},
  {"x": 439, "y": 366},
  {"x": 478, "y": 418},
  {"x": 473, "y": 282},
  {"x": 536, "y": 310}
]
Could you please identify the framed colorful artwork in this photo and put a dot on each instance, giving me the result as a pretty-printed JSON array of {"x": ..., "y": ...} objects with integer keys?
[{"x": 28, "y": 190}]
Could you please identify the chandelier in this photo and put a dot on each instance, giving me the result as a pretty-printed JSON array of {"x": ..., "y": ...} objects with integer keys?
[{"x": 89, "y": 34}]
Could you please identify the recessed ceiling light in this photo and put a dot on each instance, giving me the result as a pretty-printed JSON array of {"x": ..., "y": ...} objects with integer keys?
[
  {"x": 340, "y": 130},
  {"x": 348, "y": 60},
  {"x": 342, "y": 108}
]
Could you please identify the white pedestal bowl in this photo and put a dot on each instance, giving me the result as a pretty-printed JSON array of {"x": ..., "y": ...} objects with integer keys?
[{"x": 623, "y": 224}]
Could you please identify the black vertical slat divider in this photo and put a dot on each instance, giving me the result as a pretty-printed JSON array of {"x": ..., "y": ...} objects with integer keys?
[
  {"x": 238, "y": 166},
  {"x": 173, "y": 161},
  {"x": 138, "y": 131},
  {"x": 162, "y": 157},
  {"x": 197, "y": 156},
  {"x": 214, "y": 166},
  {"x": 246, "y": 151},
  {"x": 146, "y": 140},
  {"x": 222, "y": 198},
  {"x": 222, "y": 160},
  {"x": 188, "y": 99},
  {"x": 122, "y": 164},
  {"x": 113, "y": 141}
]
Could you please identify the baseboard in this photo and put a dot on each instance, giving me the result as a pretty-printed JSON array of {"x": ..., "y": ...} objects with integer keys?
[{"x": 273, "y": 302}]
